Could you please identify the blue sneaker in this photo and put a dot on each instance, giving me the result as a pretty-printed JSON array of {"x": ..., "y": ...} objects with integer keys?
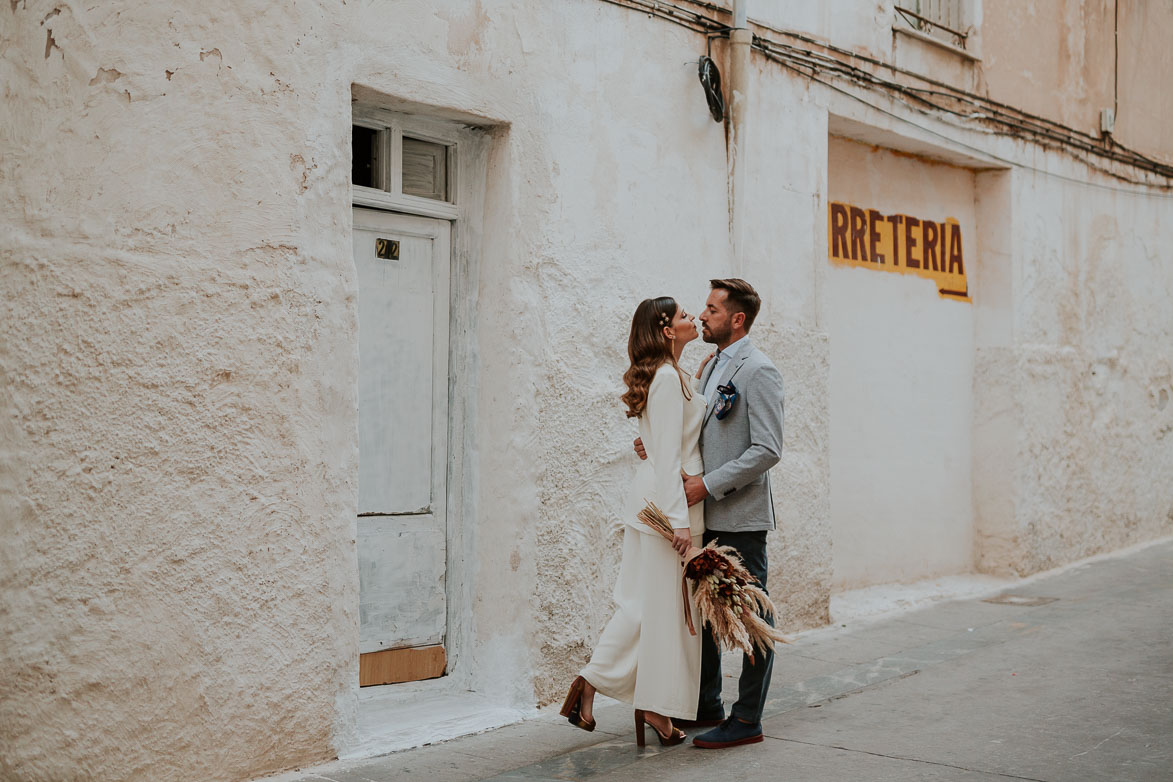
[{"x": 730, "y": 733}]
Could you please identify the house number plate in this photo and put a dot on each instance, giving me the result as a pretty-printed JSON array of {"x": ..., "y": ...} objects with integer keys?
[{"x": 387, "y": 249}]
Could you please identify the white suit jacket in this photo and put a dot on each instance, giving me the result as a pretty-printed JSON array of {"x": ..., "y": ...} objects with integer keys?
[{"x": 670, "y": 428}]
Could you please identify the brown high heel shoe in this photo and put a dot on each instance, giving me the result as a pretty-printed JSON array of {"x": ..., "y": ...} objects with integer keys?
[
  {"x": 572, "y": 706},
  {"x": 675, "y": 735}
]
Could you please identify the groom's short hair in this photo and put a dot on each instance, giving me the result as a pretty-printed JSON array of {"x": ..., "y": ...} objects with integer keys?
[{"x": 740, "y": 297}]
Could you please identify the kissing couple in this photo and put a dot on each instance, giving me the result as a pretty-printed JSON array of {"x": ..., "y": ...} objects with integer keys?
[{"x": 706, "y": 445}]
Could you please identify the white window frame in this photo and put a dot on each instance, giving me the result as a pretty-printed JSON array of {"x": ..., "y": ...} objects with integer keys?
[{"x": 388, "y": 193}]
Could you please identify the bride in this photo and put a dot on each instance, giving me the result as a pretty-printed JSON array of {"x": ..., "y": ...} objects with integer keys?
[{"x": 646, "y": 655}]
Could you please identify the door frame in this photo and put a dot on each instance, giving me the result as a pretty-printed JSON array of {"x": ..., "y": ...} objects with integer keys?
[{"x": 468, "y": 169}]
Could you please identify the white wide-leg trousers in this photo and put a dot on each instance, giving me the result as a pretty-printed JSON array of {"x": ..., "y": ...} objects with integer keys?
[{"x": 646, "y": 656}]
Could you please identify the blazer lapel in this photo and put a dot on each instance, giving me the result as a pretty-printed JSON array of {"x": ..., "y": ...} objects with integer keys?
[
  {"x": 731, "y": 369},
  {"x": 708, "y": 373}
]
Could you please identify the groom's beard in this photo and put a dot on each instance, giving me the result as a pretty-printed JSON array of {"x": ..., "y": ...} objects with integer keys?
[{"x": 714, "y": 337}]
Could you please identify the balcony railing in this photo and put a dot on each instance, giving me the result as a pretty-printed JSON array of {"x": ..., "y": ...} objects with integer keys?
[{"x": 926, "y": 25}]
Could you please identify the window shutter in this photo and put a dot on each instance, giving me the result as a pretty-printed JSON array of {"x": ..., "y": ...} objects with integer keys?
[{"x": 425, "y": 169}]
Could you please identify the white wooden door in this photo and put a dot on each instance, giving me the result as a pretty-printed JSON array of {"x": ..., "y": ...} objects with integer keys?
[{"x": 403, "y": 271}]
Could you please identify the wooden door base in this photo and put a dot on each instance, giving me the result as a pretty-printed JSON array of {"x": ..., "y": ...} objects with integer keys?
[{"x": 392, "y": 666}]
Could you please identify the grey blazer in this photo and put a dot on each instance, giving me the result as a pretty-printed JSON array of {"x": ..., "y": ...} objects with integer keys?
[{"x": 740, "y": 448}]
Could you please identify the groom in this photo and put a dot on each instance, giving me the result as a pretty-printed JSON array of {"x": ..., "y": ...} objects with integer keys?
[{"x": 741, "y": 439}]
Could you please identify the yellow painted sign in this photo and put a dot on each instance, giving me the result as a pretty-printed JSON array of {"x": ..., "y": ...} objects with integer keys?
[{"x": 899, "y": 243}]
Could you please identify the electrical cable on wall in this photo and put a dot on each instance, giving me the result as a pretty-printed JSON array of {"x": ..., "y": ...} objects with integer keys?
[{"x": 965, "y": 105}]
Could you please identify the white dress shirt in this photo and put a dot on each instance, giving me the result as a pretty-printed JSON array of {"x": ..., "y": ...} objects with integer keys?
[{"x": 723, "y": 358}]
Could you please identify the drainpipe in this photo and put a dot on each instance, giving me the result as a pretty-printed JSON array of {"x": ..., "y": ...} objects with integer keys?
[{"x": 740, "y": 40}]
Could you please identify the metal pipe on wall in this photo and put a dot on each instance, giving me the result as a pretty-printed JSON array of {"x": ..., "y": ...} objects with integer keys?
[
  {"x": 739, "y": 14},
  {"x": 740, "y": 40}
]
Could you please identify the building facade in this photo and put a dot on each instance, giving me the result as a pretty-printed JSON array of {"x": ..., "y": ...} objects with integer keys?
[{"x": 316, "y": 315}]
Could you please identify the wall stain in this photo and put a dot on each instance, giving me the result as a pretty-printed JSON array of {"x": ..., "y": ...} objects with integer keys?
[
  {"x": 295, "y": 161},
  {"x": 105, "y": 76}
]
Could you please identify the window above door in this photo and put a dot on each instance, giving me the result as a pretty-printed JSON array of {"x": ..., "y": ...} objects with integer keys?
[{"x": 403, "y": 163}]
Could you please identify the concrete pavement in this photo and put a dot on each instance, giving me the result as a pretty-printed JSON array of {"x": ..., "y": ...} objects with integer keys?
[{"x": 1070, "y": 680}]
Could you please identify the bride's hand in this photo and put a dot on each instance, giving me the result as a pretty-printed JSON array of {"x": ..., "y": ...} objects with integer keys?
[
  {"x": 681, "y": 540},
  {"x": 704, "y": 363}
]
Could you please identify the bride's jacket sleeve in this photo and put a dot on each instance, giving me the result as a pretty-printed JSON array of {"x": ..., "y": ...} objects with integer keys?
[{"x": 665, "y": 414}]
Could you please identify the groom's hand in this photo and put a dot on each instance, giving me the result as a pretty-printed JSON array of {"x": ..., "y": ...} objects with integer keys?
[
  {"x": 639, "y": 448},
  {"x": 694, "y": 489}
]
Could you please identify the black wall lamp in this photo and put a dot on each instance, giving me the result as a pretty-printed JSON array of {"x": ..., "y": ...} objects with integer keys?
[
  {"x": 710, "y": 78},
  {"x": 711, "y": 82}
]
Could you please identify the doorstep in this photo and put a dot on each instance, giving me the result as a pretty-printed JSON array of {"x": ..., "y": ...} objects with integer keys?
[{"x": 400, "y": 716}]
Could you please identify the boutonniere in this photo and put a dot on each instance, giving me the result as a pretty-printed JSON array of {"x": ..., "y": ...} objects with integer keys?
[{"x": 726, "y": 396}]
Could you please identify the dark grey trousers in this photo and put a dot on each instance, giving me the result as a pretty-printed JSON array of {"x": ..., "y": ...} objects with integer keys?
[{"x": 755, "y": 677}]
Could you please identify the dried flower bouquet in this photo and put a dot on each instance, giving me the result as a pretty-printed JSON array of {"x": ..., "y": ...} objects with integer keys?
[{"x": 727, "y": 596}]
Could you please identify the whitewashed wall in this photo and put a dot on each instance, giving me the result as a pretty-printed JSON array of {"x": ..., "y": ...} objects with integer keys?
[
  {"x": 179, "y": 583},
  {"x": 179, "y": 587},
  {"x": 178, "y": 580},
  {"x": 1074, "y": 373}
]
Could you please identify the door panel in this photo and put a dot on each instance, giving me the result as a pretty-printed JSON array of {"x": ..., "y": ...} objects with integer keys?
[
  {"x": 402, "y": 265},
  {"x": 395, "y": 344},
  {"x": 401, "y": 581}
]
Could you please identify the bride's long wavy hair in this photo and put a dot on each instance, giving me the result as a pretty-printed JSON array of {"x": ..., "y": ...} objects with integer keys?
[{"x": 648, "y": 349}]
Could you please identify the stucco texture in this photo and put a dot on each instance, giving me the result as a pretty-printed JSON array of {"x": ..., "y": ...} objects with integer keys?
[
  {"x": 178, "y": 584},
  {"x": 1076, "y": 396}
]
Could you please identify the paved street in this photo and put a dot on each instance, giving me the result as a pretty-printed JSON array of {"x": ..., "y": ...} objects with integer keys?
[{"x": 1077, "y": 685}]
